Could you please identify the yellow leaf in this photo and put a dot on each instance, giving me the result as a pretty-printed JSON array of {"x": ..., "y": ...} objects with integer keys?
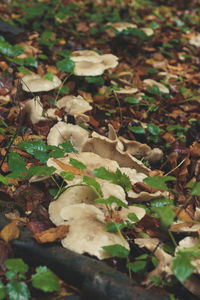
[{"x": 10, "y": 232}]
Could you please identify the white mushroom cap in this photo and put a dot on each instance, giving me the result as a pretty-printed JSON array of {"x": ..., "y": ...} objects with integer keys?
[
  {"x": 119, "y": 26},
  {"x": 147, "y": 31},
  {"x": 35, "y": 83},
  {"x": 195, "y": 40},
  {"x": 61, "y": 132},
  {"x": 34, "y": 108},
  {"x": 127, "y": 91},
  {"x": 86, "y": 55},
  {"x": 90, "y": 63},
  {"x": 87, "y": 231},
  {"x": 150, "y": 83},
  {"x": 74, "y": 105},
  {"x": 138, "y": 211}
]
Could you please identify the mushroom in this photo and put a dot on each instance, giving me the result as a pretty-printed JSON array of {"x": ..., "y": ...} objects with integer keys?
[
  {"x": 34, "y": 108},
  {"x": 87, "y": 231},
  {"x": 73, "y": 105},
  {"x": 195, "y": 40},
  {"x": 35, "y": 83},
  {"x": 90, "y": 63},
  {"x": 120, "y": 26},
  {"x": 149, "y": 83},
  {"x": 62, "y": 131}
]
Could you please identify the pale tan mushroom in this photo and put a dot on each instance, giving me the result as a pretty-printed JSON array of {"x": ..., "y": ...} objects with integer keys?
[
  {"x": 120, "y": 26},
  {"x": 90, "y": 63},
  {"x": 73, "y": 105},
  {"x": 34, "y": 108},
  {"x": 87, "y": 231},
  {"x": 128, "y": 90},
  {"x": 149, "y": 83},
  {"x": 62, "y": 131},
  {"x": 35, "y": 83},
  {"x": 138, "y": 211},
  {"x": 195, "y": 40}
]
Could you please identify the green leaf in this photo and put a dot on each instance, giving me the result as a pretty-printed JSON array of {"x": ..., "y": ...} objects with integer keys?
[
  {"x": 131, "y": 100},
  {"x": 110, "y": 200},
  {"x": 3, "y": 291},
  {"x": 10, "y": 275},
  {"x": 158, "y": 182},
  {"x": 137, "y": 266},
  {"x": 111, "y": 226},
  {"x": 77, "y": 164},
  {"x": 48, "y": 76},
  {"x": 98, "y": 80},
  {"x": 91, "y": 182},
  {"x": 45, "y": 280},
  {"x": 18, "y": 290},
  {"x": 3, "y": 179},
  {"x": 16, "y": 163},
  {"x": 56, "y": 153},
  {"x": 30, "y": 62},
  {"x": 117, "y": 250},
  {"x": 166, "y": 215},
  {"x": 182, "y": 266},
  {"x": 67, "y": 175},
  {"x": 117, "y": 178},
  {"x": 160, "y": 202},
  {"x": 16, "y": 265},
  {"x": 66, "y": 65},
  {"x": 153, "y": 129},
  {"x": 23, "y": 70},
  {"x": 68, "y": 147},
  {"x": 32, "y": 146},
  {"x": 133, "y": 217},
  {"x": 41, "y": 156},
  {"x": 137, "y": 129},
  {"x": 195, "y": 188},
  {"x": 40, "y": 171}
]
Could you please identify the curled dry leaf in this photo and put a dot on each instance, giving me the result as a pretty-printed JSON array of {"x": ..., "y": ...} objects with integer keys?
[
  {"x": 10, "y": 232},
  {"x": 52, "y": 234}
]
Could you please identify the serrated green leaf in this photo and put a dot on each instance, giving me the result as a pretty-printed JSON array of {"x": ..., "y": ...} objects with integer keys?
[
  {"x": 41, "y": 156},
  {"x": 3, "y": 179},
  {"x": 137, "y": 266},
  {"x": 67, "y": 175},
  {"x": 111, "y": 226},
  {"x": 16, "y": 163},
  {"x": 10, "y": 274},
  {"x": 66, "y": 65},
  {"x": 77, "y": 164},
  {"x": 166, "y": 215},
  {"x": 45, "y": 280},
  {"x": 110, "y": 200},
  {"x": 158, "y": 182},
  {"x": 91, "y": 182},
  {"x": 117, "y": 250},
  {"x": 48, "y": 76},
  {"x": 182, "y": 266},
  {"x": 3, "y": 291},
  {"x": 56, "y": 153},
  {"x": 17, "y": 290},
  {"x": 16, "y": 265},
  {"x": 104, "y": 174},
  {"x": 68, "y": 147}
]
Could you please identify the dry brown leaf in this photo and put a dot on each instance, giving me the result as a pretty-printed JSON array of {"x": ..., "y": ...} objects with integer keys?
[
  {"x": 52, "y": 234},
  {"x": 10, "y": 232},
  {"x": 195, "y": 149},
  {"x": 68, "y": 168}
]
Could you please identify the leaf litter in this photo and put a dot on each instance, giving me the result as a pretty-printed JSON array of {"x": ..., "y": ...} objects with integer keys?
[{"x": 133, "y": 69}]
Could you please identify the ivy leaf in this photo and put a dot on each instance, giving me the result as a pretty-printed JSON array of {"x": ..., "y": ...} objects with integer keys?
[
  {"x": 110, "y": 200},
  {"x": 16, "y": 265},
  {"x": 45, "y": 280},
  {"x": 137, "y": 266},
  {"x": 77, "y": 164},
  {"x": 3, "y": 291},
  {"x": 117, "y": 250},
  {"x": 182, "y": 266},
  {"x": 91, "y": 182},
  {"x": 17, "y": 290},
  {"x": 16, "y": 163},
  {"x": 66, "y": 65},
  {"x": 158, "y": 182}
]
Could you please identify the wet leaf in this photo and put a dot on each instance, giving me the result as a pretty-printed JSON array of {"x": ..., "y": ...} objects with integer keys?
[
  {"x": 17, "y": 290},
  {"x": 45, "y": 280},
  {"x": 10, "y": 232},
  {"x": 16, "y": 265},
  {"x": 117, "y": 250},
  {"x": 182, "y": 266}
]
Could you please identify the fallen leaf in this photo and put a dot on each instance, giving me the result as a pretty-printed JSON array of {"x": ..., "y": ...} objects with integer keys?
[
  {"x": 68, "y": 168},
  {"x": 52, "y": 234},
  {"x": 10, "y": 232}
]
